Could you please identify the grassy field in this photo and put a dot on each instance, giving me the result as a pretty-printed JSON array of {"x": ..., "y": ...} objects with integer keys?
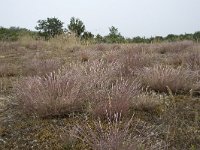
[{"x": 61, "y": 94}]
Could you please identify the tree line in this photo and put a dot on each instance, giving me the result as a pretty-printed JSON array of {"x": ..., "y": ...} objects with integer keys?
[{"x": 51, "y": 27}]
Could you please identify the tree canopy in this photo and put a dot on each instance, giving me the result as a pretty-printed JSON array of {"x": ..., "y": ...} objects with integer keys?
[
  {"x": 76, "y": 26},
  {"x": 50, "y": 27}
]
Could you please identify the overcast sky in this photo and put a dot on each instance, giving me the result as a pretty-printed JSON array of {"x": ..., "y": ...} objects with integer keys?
[{"x": 131, "y": 17}]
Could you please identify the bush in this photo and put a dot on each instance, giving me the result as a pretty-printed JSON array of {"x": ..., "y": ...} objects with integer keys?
[{"x": 14, "y": 33}]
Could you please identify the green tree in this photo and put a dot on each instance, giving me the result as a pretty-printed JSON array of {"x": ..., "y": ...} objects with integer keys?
[
  {"x": 99, "y": 39},
  {"x": 76, "y": 26},
  {"x": 14, "y": 33},
  {"x": 196, "y": 36},
  {"x": 114, "y": 36},
  {"x": 50, "y": 27},
  {"x": 113, "y": 31},
  {"x": 171, "y": 37},
  {"x": 138, "y": 39},
  {"x": 158, "y": 39},
  {"x": 87, "y": 36}
]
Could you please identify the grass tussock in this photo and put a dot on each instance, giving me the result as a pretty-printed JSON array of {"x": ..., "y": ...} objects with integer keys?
[
  {"x": 116, "y": 134},
  {"x": 41, "y": 67},
  {"x": 161, "y": 77},
  {"x": 52, "y": 95},
  {"x": 192, "y": 60},
  {"x": 116, "y": 98}
]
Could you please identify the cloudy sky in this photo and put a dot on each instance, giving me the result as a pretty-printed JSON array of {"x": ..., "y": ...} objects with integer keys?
[{"x": 131, "y": 17}]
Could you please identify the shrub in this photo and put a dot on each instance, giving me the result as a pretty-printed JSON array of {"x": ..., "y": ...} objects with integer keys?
[
  {"x": 14, "y": 33},
  {"x": 160, "y": 77},
  {"x": 55, "y": 94}
]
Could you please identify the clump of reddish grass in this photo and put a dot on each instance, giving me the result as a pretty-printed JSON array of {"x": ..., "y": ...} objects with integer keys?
[
  {"x": 192, "y": 60},
  {"x": 116, "y": 98},
  {"x": 88, "y": 55},
  {"x": 106, "y": 90},
  {"x": 111, "y": 56},
  {"x": 42, "y": 67},
  {"x": 55, "y": 94},
  {"x": 101, "y": 47},
  {"x": 175, "y": 60},
  {"x": 98, "y": 137},
  {"x": 99, "y": 71},
  {"x": 131, "y": 61},
  {"x": 116, "y": 134},
  {"x": 173, "y": 47},
  {"x": 59, "y": 93},
  {"x": 160, "y": 77}
]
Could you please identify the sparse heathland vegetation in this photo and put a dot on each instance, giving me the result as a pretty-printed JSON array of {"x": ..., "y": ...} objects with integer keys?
[{"x": 62, "y": 93}]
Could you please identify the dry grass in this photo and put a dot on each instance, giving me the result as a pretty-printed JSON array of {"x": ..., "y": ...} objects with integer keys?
[
  {"x": 181, "y": 122},
  {"x": 62, "y": 78},
  {"x": 115, "y": 99},
  {"x": 173, "y": 47},
  {"x": 192, "y": 60},
  {"x": 117, "y": 135},
  {"x": 41, "y": 67},
  {"x": 113, "y": 137},
  {"x": 160, "y": 77},
  {"x": 148, "y": 101},
  {"x": 55, "y": 94},
  {"x": 131, "y": 62},
  {"x": 8, "y": 70}
]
